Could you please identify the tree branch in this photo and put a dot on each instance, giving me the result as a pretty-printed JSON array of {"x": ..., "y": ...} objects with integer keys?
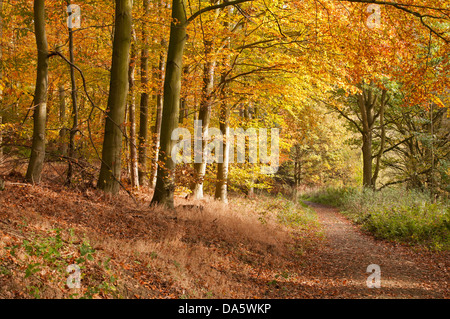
[
  {"x": 403, "y": 7},
  {"x": 226, "y": 3}
]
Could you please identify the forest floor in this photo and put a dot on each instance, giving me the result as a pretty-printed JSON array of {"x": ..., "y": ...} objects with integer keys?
[
  {"x": 406, "y": 272},
  {"x": 201, "y": 249}
]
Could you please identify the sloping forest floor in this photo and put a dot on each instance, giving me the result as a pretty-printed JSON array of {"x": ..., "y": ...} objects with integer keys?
[{"x": 266, "y": 247}]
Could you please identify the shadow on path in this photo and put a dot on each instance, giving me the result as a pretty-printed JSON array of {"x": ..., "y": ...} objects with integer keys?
[{"x": 339, "y": 267}]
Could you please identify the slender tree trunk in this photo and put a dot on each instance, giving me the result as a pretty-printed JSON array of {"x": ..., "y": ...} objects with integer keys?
[
  {"x": 1, "y": 78},
  {"x": 204, "y": 115},
  {"x": 73, "y": 92},
  {"x": 367, "y": 159},
  {"x": 126, "y": 143},
  {"x": 297, "y": 171},
  {"x": 1, "y": 49},
  {"x": 364, "y": 103},
  {"x": 143, "y": 118},
  {"x": 382, "y": 109},
  {"x": 62, "y": 120},
  {"x": 158, "y": 116},
  {"x": 1, "y": 140},
  {"x": 367, "y": 102},
  {"x": 109, "y": 177},
  {"x": 431, "y": 183},
  {"x": 183, "y": 109},
  {"x": 165, "y": 182},
  {"x": 40, "y": 96},
  {"x": 222, "y": 167},
  {"x": 251, "y": 188},
  {"x": 134, "y": 174}
]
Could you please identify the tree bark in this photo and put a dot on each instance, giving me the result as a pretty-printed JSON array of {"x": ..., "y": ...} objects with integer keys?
[
  {"x": 134, "y": 174},
  {"x": 1, "y": 140},
  {"x": 367, "y": 138},
  {"x": 1, "y": 50},
  {"x": 165, "y": 182},
  {"x": 382, "y": 109},
  {"x": 109, "y": 177},
  {"x": 73, "y": 92},
  {"x": 62, "y": 119},
  {"x": 222, "y": 167},
  {"x": 221, "y": 193},
  {"x": 1, "y": 78},
  {"x": 204, "y": 115},
  {"x": 37, "y": 157},
  {"x": 143, "y": 109},
  {"x": 367, "y": 102},
  {"x": 159, "y": 74}
]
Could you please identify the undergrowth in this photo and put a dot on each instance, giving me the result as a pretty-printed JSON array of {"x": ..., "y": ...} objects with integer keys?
[
  {"x": 396, "y": 214},
  {"x": 51, "y": 264}
]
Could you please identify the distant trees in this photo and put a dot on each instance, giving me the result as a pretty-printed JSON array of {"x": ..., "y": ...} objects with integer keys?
[
  {"x": 255, "y": 64},
  {"x": 365, "y": 112},
  {"x": 419, "y": 144},
  {"x": 165, "y": 182},
  {"x": 411, "y": 145}
]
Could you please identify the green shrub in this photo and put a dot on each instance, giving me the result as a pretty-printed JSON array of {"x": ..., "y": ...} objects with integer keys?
[
  {"x": 45, "y": 259},
  {"x": 328, "y": 196},
  {"x": 401, "y": 215},
  {"x": 294, "y": 214}
]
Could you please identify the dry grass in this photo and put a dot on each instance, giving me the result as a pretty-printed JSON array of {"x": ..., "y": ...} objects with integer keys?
[{"x": 202, "y": 249}]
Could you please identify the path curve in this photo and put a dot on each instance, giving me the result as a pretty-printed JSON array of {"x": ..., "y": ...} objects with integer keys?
[{"x": 339, "y": 266}]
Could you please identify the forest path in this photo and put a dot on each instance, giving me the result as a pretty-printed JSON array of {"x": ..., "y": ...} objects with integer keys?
[{"x": 339, "y": 266}]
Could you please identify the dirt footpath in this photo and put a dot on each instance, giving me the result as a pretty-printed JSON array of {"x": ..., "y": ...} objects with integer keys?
[{"x": 339, "y": 268}]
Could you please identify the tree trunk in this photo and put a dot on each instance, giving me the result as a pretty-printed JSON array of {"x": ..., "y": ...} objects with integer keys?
[
  {"x": 297, "y": 171},
  {"x": 1, "y": 78},
  {"x": 183, "y": 111},
  {"x": 165, "y": 182},
  {"x": 367, "y": 102},
  {"x": 40, "y": 96},
  {"x": 74, "y": 129},
  {"x": 382, "y": 109},
  {"x": 1, "y": 140},
  {"x": 367, "y": 159},
  {"x": 365, "y": 107},
  {"x": 222, "y": 167},
  {"x": 251, "y": 188},
  {"x": 204, "y": 115},
  {"x": 109, "y": 178},
  {"x": 1, "y": 50},
  {"x": 134, "y": 174},
  {"x": 158, "y": 117},
  {"x": 62, "y": 119},
  {"x": 143, "y": 118}
]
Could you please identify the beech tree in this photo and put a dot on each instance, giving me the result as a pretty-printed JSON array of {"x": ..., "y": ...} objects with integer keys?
[
  {"x": 1, "y": 79},
  {"x": 73, "y": 94},
  {"x": 257, "y": 56},
  {"x": 109, "y": 177},
  {"x": 365, "y": 112},
  {"x": 165, "y": 183},
  {"x": 143, "y": 107},
  {"x": 36, "y": 162}
]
